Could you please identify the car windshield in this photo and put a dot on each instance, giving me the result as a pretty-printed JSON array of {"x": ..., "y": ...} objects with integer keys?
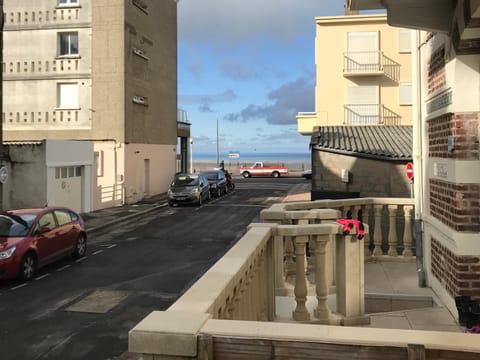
[
  {"x": 12, "y": 225},
  {"x": 212, "y": 175},
  {"x": 185, "y": 180}
]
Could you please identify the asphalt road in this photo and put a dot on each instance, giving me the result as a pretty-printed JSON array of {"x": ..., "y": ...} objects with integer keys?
[{"x": 84, "y": 309}]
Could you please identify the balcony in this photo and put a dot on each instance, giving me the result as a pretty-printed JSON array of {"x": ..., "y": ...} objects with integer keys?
[
  {"x": 232, "y": 311},
  {"x": 370, "y": 114},
  {"x": 370, "y": 63}
]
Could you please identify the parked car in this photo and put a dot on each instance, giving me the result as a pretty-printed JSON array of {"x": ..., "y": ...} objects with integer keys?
[
  {"x": 307, "y": 174},
  {"x": 261, "y": 169},
  {"x": 188, "y": 188},
  {"x": 217, "y": 181},
  {"x": 32, "y": 238}
]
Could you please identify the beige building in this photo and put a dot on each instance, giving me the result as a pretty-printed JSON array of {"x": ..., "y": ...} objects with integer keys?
[
  {"x": 101, "y": 70},
  {"x": 361, "y": 133},
  {"x": 363, "y": 73}
]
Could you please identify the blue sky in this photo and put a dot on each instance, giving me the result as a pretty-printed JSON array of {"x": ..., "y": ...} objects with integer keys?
[{"x": 250, "y": 65}]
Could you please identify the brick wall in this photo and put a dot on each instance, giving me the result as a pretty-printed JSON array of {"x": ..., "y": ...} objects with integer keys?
[
  {"x": 456, "y": 205},
  {"x": 462, "y": 127},
  {"x": 460, "y": 275},
  {"x": 437, "y": 78}
]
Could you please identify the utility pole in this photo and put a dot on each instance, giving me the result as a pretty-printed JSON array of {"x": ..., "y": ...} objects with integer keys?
[{"x": 218, "y": 157}]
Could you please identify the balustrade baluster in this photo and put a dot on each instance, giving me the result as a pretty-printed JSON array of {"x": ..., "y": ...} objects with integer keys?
[
  {"x": 289, "y": 263},
  {"x": 392, "y": 231},
  {"x": 300, "y": 313},
  {"x": 365, "y": 219},
  {"x": 322, "y": 312},
  {"x": 377, "y": 235},
  {"x": 407, "y": 234}
]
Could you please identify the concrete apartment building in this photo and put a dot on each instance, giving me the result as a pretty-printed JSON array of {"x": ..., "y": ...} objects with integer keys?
[
  {"x": 103, "y": 71},
  {"x": 361, "y": 130},
  {"x": 446, "y": 137}
]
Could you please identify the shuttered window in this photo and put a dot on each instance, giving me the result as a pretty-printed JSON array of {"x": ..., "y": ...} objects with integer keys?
[
  {"x": 405, "y": 93},
  {"x": 67, "y": 96},
  {"x": 363, "y": 47},
  {"x": 405, "y": 41}
]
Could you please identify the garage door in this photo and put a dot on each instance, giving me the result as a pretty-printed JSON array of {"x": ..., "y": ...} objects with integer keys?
[{"x": 68, "y": 187}]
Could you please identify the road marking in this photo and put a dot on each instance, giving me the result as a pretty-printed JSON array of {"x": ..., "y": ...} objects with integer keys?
[
  {"x": 239, "y": 205},
  {"x": 81, "y": 259},
  {"x": 41, "y": 277},
  {"x": 64, "y": 267},
  {"x": 19, "y": 286},
  {"x": 111, "y": 246},
  {"x": 97, "y": 252}
]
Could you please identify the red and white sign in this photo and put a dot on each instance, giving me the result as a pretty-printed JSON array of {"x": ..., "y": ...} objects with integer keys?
[{"x": 410, "y": 171}]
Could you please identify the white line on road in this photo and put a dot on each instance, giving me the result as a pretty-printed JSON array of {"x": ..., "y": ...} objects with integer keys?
[
  {"x": 97, "y": 252},
  {"x": 19, "y": 286},
  {"x": 64, "y": 267},
  {"x": 81, "y": 259},
  {"x": 41, "y": 277},
  {"x": 111, "y": 246}
]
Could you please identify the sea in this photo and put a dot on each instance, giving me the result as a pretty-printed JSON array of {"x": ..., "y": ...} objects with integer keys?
[{"x": 255, "y": 156}]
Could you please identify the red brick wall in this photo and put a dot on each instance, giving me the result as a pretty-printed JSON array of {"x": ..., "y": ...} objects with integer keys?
[
  {"x": 460, "y": 275},
  {"x": 437, "y": 78},
  {"x": 463, "y": 127},
  {"x": 456, "y": 205}
]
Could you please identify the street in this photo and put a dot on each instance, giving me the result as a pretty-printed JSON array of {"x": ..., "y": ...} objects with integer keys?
[{"x": 84, "y": 309}]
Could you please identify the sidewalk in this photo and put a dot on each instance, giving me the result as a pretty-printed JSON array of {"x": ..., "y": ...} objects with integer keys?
[{"x": 100, "y": 219}]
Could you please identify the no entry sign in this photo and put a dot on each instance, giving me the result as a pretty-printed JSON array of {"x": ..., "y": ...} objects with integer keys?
[{"x": 410, "y": 171}]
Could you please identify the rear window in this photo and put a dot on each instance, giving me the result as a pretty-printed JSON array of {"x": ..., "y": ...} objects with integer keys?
[
  {"x": 182, "y": 180},
  {"x": 211, "y": 175},
  {"x": 63, "y": 217}
]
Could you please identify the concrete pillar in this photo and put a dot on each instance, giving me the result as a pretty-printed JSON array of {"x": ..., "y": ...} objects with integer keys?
[
  {"x": 377, "y": 236},
  {"x": 322, "y": 312},
  {"x": 392, "y": 231},
  {"x": 300, "y": 313},
  {"x": 407, "y": 234}
]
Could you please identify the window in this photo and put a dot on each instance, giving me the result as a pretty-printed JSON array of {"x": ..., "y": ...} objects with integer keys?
[
  {"x": 68, "y": 44},
  {"x": 99, "y": 162},
  {"x": 66, "y": 172},
  {"x": 404, "y": 41},
  {"x": 363, "y": 47},
  {"x": 68, "y": 3},
  {"x": 405, "y": 93},
  {"x": 67, "y": 96},
  {"x": 46, "y": 221},
  {"x": 63, "y": 217}
]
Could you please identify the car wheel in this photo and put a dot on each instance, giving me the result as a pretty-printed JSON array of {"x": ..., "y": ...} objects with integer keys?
[
  {"x": 80, "y": 247},
  {"x": 170, "y": 203},
  {"x": 246, "y": 174},
  {"x": 28, "y": 267},
  {"x": 275, "y": 174}
]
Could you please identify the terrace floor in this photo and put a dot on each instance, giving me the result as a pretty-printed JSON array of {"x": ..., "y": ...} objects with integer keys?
[{"x": 393, "y": 300}]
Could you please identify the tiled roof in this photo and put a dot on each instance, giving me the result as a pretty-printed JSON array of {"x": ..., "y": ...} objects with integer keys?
[{"x": 369, "y": 141}]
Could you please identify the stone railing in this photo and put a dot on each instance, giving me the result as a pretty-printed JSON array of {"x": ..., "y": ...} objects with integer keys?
[
  {"x": 389, "y": 220},
  {"x": 229, "y": 312}
]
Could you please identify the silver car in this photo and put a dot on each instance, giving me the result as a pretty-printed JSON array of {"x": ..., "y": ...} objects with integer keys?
[{"x": 188, "y": 188}]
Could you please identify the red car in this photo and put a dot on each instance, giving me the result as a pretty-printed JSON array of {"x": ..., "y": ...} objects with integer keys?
[{"x": 32, "y": 238}]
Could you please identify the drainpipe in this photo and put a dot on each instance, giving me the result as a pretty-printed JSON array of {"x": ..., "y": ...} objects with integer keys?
[{"x": 418, "y": 159}]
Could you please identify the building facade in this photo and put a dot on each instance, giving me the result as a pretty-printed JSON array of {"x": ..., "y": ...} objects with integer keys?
[
  {"x": 103, "y": 71},
  {"x": 363, "y": 73},
  {"x": 447, "y": 132},
  {"x": 361, "y": 128}
]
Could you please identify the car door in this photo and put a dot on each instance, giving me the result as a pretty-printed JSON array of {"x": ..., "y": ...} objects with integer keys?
[
  {"x": 204, "y": 186},
  {"x": 66, "y": 230},
  {"x": 45, "y": 237}
]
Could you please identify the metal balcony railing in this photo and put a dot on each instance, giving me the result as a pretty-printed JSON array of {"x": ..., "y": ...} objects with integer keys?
[
  {"x": 370, "y": 63},
  {"x": 370, "y": 114}
]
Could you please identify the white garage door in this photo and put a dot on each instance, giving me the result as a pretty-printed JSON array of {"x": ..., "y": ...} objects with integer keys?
[{"x": 68, "y": 187}]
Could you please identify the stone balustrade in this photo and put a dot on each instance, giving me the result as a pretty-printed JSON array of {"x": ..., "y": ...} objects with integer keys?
[
  {"x": 390, "y": 221},
  {"x": 229, "y": 313}
]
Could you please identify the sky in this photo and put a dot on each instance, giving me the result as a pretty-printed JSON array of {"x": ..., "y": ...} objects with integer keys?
[{"x": 248, "y": 65}]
